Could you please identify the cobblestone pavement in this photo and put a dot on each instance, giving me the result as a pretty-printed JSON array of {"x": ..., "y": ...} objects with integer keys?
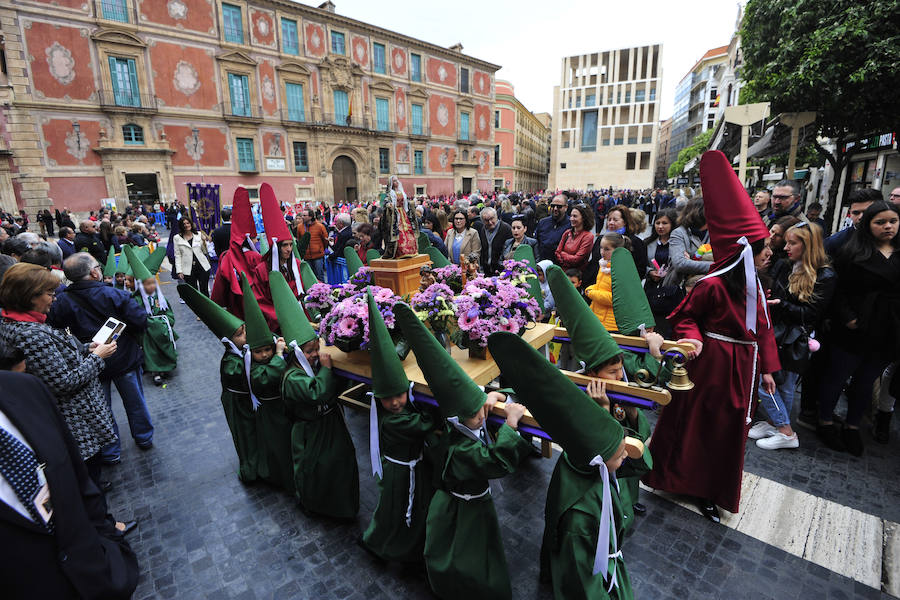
[{"x": 203, "y": 534}]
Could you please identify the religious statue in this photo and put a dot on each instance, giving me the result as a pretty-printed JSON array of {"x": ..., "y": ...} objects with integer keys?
[
  {"x": 470, "y": 264},
  {"x": 427, "y": 277},
  {"x": 399, "y": 224}
]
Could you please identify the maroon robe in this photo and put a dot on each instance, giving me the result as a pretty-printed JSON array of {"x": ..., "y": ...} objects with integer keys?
[
  {"x": 226, "y": 290},
  {"x": 698, "y": 444}
]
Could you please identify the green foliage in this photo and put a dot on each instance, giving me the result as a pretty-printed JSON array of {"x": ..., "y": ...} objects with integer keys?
[
  {"x": 698, "y": 146},
  {"x": 835, "y": 57}
]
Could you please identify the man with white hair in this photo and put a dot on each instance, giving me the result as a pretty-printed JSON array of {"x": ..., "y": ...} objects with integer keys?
[
  {"x": 493, "y": 236},
  {"x": 343, "y": 235}
]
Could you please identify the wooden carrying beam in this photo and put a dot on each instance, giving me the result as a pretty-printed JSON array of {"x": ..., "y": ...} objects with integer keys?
[{"x": 633, "y": 341}]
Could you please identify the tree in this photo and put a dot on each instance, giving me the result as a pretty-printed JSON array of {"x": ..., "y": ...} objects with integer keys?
[
  {"x": 835, "y": 57},
  {"x": 697, "y": 147}
]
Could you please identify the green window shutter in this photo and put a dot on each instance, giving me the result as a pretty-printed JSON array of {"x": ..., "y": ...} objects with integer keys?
[
  {"x": 294, "y": 93},
  {"x": 231, "y": 18},
  {"x": 417, "y": 119},
  {"x": 341, "y": 106},
  {"x": 135, "y": 95},
  {"x": 419, "y": 162},
  {"x": 239, "y": 91},
  {"x": 246, "y": 161},
  {"x": 464, "y": 126},
  {"x": 289, "y": 36},
  {"x": 382, "y": 114}
]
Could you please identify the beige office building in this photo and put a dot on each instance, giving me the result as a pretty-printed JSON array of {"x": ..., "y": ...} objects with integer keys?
[{"x": 606, "y": 119}]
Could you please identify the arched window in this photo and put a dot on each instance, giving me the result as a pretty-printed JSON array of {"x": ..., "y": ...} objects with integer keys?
[
  {"x": 465, "y": 154},
  {"x": 133, "y": 134}
]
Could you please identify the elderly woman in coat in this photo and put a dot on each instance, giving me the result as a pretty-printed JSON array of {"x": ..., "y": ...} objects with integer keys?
[{"x": 69, "y": 368}]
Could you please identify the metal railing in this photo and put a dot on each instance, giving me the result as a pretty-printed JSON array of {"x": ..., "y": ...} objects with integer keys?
[
  {"x": 248, "y": 166},
  {"x": 465, "y": 137},
  {"x": 293, "y": 117},
  {"x": 127, "y": 101},
  {"x": 328, "y": 119},
  {"x": 419, "y": 131},
  {"x": 251, "y": 112}
]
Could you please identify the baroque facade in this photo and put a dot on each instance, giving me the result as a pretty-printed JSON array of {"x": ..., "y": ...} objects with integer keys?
[
  {"x": 522, "y": 143},
  {"x": 133, "y": 99}
]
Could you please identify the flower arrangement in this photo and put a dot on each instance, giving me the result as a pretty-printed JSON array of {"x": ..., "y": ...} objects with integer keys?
[
  {"x": 451, "y": 276},
  {"x": 347, "y": 323},
  {"x": 362, "y": 278},
  {"x": 434, "y": 307},
  {"x": 492, "y": 304},
  {"x": 517, "y": 272},
  {"x": 320, "y": 298}
]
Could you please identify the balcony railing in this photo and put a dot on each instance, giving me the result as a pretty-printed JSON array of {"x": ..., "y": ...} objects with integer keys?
[
  {"x": 246, "y": 166},
  {"x": 241, "y": 112},
  {"x": 127, "y": 101},
  {"x": 465, "y": 137},
  {"x": 293, "y": 117},
  {"x": 418, "y": 132},
  {"x": 353, "y": 121}
]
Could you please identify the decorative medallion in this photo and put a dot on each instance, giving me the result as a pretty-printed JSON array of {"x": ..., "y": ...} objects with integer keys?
[
  {"x": 482, "y": 123},
  {"x": 401, "y": 108},
  {"x": 359, "y": 50},
  {"x": 177, "y": 9},
  {"x": 442, "y": 73},
  {"x": 186, "y": 79},
  {"x": 443, "y": 115},
  {"x": 315, "y": 41},
  {"x": 403, "y": 153},
  {"x": 61, "y": 63},
  {"x": 444, "y": 158},
  {"x": 268, "y": 88},
  {"x": 77, "y": 145},
  {"x": 274, "y": 148},
  {"x": 194, "y": 147},
  {"x": 262, "y": 26},
  {"x": 398, "y": 61},
  {"x": 481, "y": 160}
]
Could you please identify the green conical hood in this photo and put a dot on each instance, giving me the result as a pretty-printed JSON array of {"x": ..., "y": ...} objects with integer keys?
[
  {"x": 110, "y": 269},
  {"x": 591, "y": 341},
  {"x": 424, "y": 242},
  {"x": 258, "y": 332},
  {"x": 155, "y": 260},
  {"x": 301, "y": 245},
  {"x": 123, "y": 267},
  {"x": 455, "y": 392},
  {"x": 291, "y": 318},
  {"x": 524, "y": 252},
  {"x": 572, "y": 418},
  {"x": 353, "y": 262},
  {"x": 372, "y": 254},
  {"x": 142, "y": 253},
  {"x": 630, "y": 303},
  {"x": 136, "y": 265},
  {"x": 263, "y": 245},
  {"x": 388, "y": 377},
  {"x": 221, "y": 322},
  {"x": 438, "y": 259},
  {"x": 307, "y": 276}
]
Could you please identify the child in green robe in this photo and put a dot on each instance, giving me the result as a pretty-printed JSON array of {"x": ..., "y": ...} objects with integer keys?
[
  {"x": 322, "y": 457},
  {"x": 464, "y": 554},
  {"x": 584, "y": 515},
  {"x": 602, "y": 358},
  {"x": 264, "y": 371},
  {"x": 158, "y": 340},
  {"x": 236, "y": 402},
  {"x": 397, "y": 429}
]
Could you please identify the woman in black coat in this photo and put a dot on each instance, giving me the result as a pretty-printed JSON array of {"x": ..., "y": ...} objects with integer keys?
[{"x": 866, "y": 322}]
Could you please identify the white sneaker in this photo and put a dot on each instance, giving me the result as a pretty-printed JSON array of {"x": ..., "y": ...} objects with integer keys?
[
  {"x": 761, "y": 430},
  {"x": 778, "y": 440}
]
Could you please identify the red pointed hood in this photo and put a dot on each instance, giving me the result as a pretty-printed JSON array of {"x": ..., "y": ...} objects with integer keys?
[
  {"x": 730, "y": 213},
  {"x": 273, "y": 218},
  {"x": 241, "y": 217}
]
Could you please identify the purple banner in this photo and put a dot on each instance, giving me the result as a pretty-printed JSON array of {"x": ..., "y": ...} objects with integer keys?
[{"x": 204, "y": 203}]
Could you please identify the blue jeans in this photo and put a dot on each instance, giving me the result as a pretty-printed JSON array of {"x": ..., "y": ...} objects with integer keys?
[
  {"x": 131, "y": 390},
  {"x": 779, "y": 405},
  {"x": 318, "y": 267}
]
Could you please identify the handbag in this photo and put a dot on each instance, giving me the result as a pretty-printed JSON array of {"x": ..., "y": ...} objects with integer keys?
[{"x": 793, "y": 347}]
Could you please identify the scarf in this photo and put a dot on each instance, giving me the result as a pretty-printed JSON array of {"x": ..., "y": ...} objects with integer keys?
[{"x": 28, "y": 316}]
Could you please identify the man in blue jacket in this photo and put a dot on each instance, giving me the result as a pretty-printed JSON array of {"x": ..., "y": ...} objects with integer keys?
[
  {"x": 551, "y": 229},
  {"x": 83, "y": 308}
]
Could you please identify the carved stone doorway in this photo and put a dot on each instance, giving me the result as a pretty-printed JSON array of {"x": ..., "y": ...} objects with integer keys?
[{"x": 344, "y": 177}]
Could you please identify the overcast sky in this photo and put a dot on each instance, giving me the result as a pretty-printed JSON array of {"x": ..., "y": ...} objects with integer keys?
[{"x": 529, "y": 38}]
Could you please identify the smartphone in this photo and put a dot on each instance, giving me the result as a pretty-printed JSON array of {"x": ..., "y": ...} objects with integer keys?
[{"x": 110, "y": 331}]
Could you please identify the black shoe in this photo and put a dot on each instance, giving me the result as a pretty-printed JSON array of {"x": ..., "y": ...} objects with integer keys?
[
  {"x": 831, "y": 437},
  {"x": 809, "y": 420},
  {"x": 852, "y": 441},
  {"x": 146, "y": 446},
  {"x": 639, "y": 508},
  {"x": 157, "y": 380},
  {"x": 112, "y": 461},
  {"x": 882, "y": 428},
  {"x": 709, "y": 510},
  {"x": 105, "y": 486}
]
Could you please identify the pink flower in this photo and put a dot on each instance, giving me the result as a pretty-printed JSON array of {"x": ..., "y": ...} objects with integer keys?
[{"x": 347, "y": 327}]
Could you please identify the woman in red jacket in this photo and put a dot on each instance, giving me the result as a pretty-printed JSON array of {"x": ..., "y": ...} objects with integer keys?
[{"x": 576, "y": 243}]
